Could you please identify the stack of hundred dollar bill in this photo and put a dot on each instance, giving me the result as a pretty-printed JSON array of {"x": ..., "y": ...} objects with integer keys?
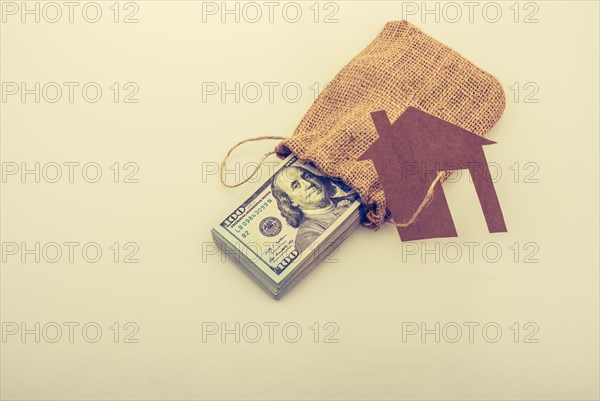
[{"x": 293, "y": 221}]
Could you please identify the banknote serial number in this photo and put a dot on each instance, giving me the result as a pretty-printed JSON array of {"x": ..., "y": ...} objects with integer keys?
[{"x": 229, "y": 221}]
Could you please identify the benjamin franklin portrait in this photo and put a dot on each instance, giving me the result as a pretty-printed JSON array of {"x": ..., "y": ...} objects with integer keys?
[{"x": 307, "y": 201}]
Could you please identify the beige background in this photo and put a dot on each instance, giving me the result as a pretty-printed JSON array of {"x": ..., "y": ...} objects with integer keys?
[{"x": 371, "y": 289}]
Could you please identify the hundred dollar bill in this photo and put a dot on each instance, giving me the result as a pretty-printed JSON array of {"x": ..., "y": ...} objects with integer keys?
[{"x": 290, "y": 223}]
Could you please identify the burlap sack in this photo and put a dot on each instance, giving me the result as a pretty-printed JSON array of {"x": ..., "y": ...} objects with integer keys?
[{"x": 402, "y": 67}]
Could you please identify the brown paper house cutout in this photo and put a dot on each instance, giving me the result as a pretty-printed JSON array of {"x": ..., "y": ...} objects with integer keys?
[{"x": 408, "y": 155}]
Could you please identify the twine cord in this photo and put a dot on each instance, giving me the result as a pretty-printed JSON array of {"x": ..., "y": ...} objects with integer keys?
[
  {"x": 424, "y": 203},
  {"x": 253, "y": 173}
]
